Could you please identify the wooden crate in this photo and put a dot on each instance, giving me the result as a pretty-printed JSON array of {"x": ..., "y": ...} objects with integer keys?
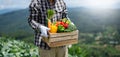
[{"x": 61, "y": 39}]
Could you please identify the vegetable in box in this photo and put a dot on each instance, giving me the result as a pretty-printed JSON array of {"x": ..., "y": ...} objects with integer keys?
[{"x": 64, "y": 25}]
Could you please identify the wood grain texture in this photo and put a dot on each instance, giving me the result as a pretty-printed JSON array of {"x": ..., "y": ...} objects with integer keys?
[{"x": 61, "y": 39}]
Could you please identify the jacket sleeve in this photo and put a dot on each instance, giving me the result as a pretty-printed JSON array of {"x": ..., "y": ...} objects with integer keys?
[
  {"x": 65, "y": 12},
  {"x": 33, "y": 15}
]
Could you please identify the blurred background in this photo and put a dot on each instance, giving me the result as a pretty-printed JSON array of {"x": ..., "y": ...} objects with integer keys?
[{"x": 97, "y": 20}]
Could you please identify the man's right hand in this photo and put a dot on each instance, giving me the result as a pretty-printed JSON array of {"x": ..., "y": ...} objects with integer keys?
[{"x": 44, "y": 30}]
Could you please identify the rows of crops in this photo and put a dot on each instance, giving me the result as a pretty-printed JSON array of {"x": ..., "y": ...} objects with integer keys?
[{"x": 15, "y": 48}]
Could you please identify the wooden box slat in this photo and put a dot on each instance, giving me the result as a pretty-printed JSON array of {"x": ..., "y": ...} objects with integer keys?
[
  {"x": 62, "y": 43},
  {"x": 61, "y": 39},
  {"x": 52, "y": 35}
]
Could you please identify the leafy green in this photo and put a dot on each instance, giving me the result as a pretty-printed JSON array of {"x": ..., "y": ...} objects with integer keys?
[
  {"x": 66, "y": 20},
  {"x": 71, "y": 27},
  {"x": 15, "y": 48},
  {"x": 50, "y": 13}
]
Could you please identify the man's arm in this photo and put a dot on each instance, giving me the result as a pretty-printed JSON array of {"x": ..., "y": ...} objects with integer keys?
[
  {"x": 64, "y": 15},
  {"x": 33, "y": 15},
  {"x": 33, "y": 20},
  {"x": 65, "y": 12}
]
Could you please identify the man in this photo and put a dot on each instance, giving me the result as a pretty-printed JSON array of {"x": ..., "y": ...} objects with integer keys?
[{"x": 37, "y": 20}]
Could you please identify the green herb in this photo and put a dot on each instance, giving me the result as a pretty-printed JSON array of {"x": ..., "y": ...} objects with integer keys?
[{"x": 50, "y": 13}]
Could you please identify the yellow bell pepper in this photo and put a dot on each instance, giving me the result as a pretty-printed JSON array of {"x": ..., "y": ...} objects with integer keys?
[{"x": 53, "y": 28}]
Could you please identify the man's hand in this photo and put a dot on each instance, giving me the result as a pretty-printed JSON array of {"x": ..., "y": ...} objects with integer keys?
[{"x": 44, "y": 30}]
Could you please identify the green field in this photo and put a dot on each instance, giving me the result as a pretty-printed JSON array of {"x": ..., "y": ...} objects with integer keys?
[{"x": 99, "y": 34}]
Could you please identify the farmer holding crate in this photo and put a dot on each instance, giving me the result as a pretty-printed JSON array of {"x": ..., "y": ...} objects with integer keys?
[{"x": 37, "y": 20}]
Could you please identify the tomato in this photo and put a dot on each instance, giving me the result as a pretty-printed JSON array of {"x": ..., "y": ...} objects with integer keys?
[
  {"x": 57, "y": 23},
  {"x": 65, "y": 25}
]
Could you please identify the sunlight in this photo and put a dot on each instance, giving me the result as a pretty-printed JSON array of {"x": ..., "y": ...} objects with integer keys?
[{"x": 99, "y": 3}]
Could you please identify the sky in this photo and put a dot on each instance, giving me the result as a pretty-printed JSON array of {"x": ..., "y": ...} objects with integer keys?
[
  {"x": 70, "y": 3},
  {"x": 14, "y": 4},
  {"x": 94, "y": 3}
]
